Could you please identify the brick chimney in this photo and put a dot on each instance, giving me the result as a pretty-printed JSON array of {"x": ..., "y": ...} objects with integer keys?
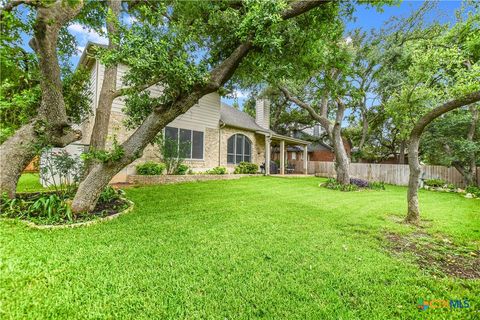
[{"x": 262, "y": 113}]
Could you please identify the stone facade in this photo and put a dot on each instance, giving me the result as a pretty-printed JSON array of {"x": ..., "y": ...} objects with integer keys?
[
  {"x": 171, "y": 179},
  {"x": 215, "y": 147},
  {"x": 258, "y": 146}
]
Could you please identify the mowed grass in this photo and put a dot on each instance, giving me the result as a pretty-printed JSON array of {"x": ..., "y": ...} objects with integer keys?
[
  {"x": 263, "y": 247},
  {"x": 29, "y": 182}
]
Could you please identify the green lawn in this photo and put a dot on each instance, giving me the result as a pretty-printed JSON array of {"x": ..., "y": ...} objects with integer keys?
[
  {"x": 261, "y": 247},
  {"x": 29, "y": 182}
]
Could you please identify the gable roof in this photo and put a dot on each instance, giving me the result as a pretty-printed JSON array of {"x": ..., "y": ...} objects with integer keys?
[
  {"x": 233, "y": 117},
  {"x": 238, "y": 119}
]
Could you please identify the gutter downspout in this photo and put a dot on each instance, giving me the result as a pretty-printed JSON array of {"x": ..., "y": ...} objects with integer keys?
[{"x": 222, "y": 124}]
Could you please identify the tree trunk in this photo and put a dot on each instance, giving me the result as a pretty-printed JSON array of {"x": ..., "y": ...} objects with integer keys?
[
  {"x": 104, "y": 108},
  {"x": 51, "y": 126},
  {"x": 101, "y": 174},
  {"x": 15, "y": 154},
  {"x": 401, "y": 155},
  {"x": 342, "y": 163},
  {"x": 413, "y": 214}
]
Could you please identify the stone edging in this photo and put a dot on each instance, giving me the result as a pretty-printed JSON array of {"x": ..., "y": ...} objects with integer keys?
[
  {"x": 75, "y": 225},
  {"x": 172, "y": 179}
]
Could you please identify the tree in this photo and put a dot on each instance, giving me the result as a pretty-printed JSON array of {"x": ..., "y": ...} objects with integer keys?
[
  {"x": 175, "y": 57},
  {"x": 454, "y": 140},
  {"x": 46, "y": 118},
  {"x": 325, "y": 89},
  {"x": 437, "y": 79}
]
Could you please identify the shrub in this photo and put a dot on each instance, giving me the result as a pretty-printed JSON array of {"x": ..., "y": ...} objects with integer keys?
[
  {"x": 182, "y": 169},
  {"x": 150, "y": 168},
  {"x": 61, "y": 171},
  {"x": 246, "y": 168},
  {"x": 173, "y": 153},
  {"x": 435, "y": 182},
  {"x": 46, "y": 207},
  {"x": 334, "y": 185},
  {"x": 109, "y": 194},
  {"x": 355, "y": 184},
  {"x": 359, "y": 182},
  {"x": 376, "y": 185},
  {"x": 217, "y": 170},
  {"x": 53, "y": 207},
  {"x": 473, "y": 190}
]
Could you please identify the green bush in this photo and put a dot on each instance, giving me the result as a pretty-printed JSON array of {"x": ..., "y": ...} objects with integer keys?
[
  {"x": 246, "y": 168},
  {"x": 150, "y": 168},
  {"x": 52, "y": 207},
  {"x": 44, "y": 208},
  {"x": 473, "y": 190},
  {"x": 355, "y": 185},
  {"x": 217, "y": 170},
  {"x": 435, "y": 182},
  {"x": 109, "y": 194},
  {"x": 334, "y": 185},
  {"x": 181, "y": 169},
  {"x": 376, "y": 185}
]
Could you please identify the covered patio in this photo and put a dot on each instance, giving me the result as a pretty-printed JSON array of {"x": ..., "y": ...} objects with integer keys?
[{"x": 274, "y": 140}]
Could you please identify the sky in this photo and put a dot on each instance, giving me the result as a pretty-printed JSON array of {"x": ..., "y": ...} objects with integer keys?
[{"x": 364, "y": 18}]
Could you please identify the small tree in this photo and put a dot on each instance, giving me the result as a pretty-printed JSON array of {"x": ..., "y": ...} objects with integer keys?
[
  {"x": 172, "y": 152},
  {"x": 61, "y": 170}
]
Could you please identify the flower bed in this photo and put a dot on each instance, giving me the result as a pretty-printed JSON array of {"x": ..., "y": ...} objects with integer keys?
[
  {"x": 471, "y": 192},
  {"x": 52, "y": 208}
]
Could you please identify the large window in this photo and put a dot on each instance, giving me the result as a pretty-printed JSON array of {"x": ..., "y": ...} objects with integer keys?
[
  {"x": 190, "y": 142},
  {"x": 239, "y": 148}
]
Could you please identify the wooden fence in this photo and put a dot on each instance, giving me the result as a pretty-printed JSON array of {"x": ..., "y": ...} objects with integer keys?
[{"x": 388, "y": 173}]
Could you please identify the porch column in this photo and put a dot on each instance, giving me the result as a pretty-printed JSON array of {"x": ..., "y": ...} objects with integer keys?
[
  {"x": 282, "y": 157},
  {"x": 267, "y": 155},
  {"x": 305, "y": 159}
]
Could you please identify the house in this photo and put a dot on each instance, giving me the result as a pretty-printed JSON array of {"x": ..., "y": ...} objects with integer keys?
[{"x": 218, "y": 134}]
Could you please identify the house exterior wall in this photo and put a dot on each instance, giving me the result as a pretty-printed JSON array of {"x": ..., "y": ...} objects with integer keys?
[
  {"x": 204, "y": 116},
  {"x": 258, "y": 146},
  {"x": 322, "y": 155}
]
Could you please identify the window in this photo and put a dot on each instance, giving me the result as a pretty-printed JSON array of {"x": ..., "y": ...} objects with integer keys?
[
  {"x": 239, "y": 149},
  {"x": 190, "y": 142},
  {"x": 294, "y": 155}
]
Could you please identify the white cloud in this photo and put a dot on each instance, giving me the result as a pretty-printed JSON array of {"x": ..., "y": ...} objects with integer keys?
[
  {"x": 241, "y": 94},
  {"x": 83, "y": 34}
]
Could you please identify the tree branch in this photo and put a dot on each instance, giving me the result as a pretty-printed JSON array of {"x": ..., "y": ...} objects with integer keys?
[
  {"x": 10, "y": 5},
  {"x": 326, "y": 124},
  {"x": 299, "y": 7},
  {"x": 225, "y": 70},
  {"x": 444, "y": 108},
  {"x": 138, "y": 88}
]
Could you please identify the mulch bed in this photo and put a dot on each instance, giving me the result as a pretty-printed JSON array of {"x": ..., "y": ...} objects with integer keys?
[{"x": 438, "y": 256}]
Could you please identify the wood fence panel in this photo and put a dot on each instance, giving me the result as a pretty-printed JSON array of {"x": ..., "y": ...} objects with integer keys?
[{"x": 389, "y": 173}]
